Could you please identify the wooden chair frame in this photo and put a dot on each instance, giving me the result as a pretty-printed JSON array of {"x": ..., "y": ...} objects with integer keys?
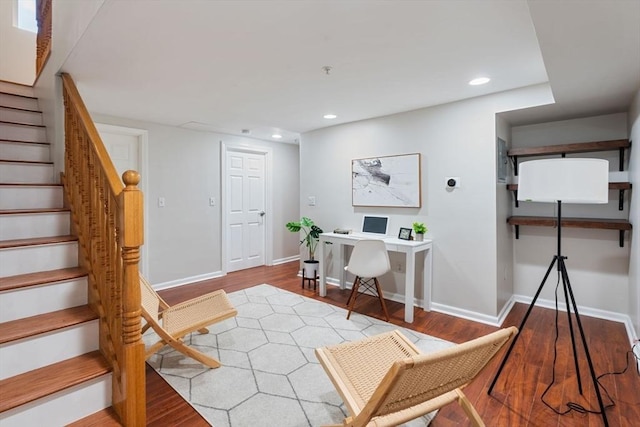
[
  {"x": 385, "y": 380},
  {"x": 173, "y": 323}
]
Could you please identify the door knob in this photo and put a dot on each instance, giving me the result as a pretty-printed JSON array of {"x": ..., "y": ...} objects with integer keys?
[{"x": 261, "y": 213}]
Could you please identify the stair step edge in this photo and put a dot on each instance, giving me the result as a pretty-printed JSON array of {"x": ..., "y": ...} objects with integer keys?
[
  {"x": 42, "y": 323},
  {"x": 36, "y": 384},
  {"x": 33, "y": 211},
  {"x": 3, "y": 122},
  {"x": 105, "y": 418},
  {"x": 28, "y": 110},
  {"x": 26, "y": 162},
  {"x": 40, "y": 278},
  {"x": 19, "y": 141},
  {"x": 36, "y": 241}
]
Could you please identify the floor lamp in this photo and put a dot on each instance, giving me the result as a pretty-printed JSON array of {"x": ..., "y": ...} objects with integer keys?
[{"x": 563, "y": 181}]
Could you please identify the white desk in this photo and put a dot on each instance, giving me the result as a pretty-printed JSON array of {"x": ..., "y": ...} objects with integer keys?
[{"x": 409, "y": 247}]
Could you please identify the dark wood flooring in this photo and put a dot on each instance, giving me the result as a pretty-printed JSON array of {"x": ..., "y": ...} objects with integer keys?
[{"x": 516, "y": 400}]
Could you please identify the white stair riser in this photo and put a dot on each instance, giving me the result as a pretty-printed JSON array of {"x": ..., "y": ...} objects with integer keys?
[
  {"x": 64, "y": 407},
  {"x": 26, "y": 226},
  {"x": 33, "y": 300},
  {"x": 10, "y": 100},
  {"x": 32, "y": 259},
  {"x": 44, "y": 349},
  {"x": 22, "y": 197},
  {"x": 9, "y": 87},
  {"x": 28, "y": 151},
  {"x": 22, "y": 133},
  {"x": 25, "y": 173},
  {"x": 20, "y": 116}
]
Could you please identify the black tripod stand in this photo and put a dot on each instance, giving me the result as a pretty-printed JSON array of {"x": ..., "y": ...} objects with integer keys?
[{"x": 568, "y": 294}]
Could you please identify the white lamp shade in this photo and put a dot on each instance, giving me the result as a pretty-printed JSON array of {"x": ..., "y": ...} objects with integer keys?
[{"x": 565, "y": 180}]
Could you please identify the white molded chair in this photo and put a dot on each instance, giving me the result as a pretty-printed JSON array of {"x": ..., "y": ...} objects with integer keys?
[{"x": 369, "y": 260}]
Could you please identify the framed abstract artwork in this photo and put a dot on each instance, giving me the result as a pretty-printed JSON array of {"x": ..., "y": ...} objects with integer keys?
[{"x": 389, "y": 181}]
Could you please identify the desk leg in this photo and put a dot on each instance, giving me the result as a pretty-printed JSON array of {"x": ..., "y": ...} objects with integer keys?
[
  {"x": 322, "y": 288},
  {"x": 427, "y": 279},
  {"x": 409, "y": 286},
  {"x": 343, "y": 262}
]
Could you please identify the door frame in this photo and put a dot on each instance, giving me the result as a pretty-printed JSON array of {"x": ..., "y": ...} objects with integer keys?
[
  {"x": 143, "y": 157},
  {"x": 267, "y": 152}
]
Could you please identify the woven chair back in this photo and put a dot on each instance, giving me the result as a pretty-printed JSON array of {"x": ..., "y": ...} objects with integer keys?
[{"x": 420, "y": 378}]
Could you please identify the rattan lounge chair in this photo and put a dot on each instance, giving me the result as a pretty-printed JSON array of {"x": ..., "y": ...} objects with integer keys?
[
  {"x": 172, "y": 323},
  {"x": 385, "y": 380}
]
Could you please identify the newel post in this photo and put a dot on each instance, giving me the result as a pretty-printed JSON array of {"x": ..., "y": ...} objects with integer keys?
[{"x": 132, "y": 402}]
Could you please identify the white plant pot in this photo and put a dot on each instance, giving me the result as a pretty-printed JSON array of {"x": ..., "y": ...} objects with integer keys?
[{"x": 311, "y": 268}]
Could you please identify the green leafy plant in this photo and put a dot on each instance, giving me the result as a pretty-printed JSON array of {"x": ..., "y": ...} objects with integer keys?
[
  {"x": 419, "y": 227},
  {"x": 311, "y": 233}
]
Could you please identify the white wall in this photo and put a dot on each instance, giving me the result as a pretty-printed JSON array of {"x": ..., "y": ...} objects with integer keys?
[
  {"x": 70, "y": 19},
  {"x": 598, "y": 268},
  {"x": 17, "y": 48},
  {"x": 634, "y": 214},
  {"x": 456, "y": 139},
  {"x": 184, "y": 167}
]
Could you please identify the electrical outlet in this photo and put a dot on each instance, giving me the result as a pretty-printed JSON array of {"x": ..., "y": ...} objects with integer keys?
[
  {"x": 212, "y": 201},
  {"x": 161, "y": 202}
]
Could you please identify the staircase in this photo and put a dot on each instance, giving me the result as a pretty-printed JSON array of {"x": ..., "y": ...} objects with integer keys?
[{"x": 51, "y": 371}]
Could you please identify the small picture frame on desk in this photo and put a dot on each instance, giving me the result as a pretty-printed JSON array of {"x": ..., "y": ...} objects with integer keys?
[{"x": 404, "y": 234}]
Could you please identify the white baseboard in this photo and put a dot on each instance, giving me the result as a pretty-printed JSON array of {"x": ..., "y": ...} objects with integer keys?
[
  {"x": 585, "y": 311},
  {"x": 499, "y": 320},
  {"x": 285, "y": 260},
  {"x": 187, "y": 280}
]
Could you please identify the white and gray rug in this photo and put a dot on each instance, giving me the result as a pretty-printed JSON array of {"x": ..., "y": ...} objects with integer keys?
[{"x": 269, "y": 374}]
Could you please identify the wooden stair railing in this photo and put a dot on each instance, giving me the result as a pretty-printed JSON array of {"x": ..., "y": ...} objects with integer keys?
[
  {"x": 107, "y": 218},
  {"x": 43, "y": 39}
]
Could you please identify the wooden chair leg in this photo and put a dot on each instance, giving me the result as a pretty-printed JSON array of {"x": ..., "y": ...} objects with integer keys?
[
  {"x": 354, "y": 295},
  {"x": 384, "y": 306},
  {"x": 469, "y": 409},
  {"x": 352, "y": 289}
]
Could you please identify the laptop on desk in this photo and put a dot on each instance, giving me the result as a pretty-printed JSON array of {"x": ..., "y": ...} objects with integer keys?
[{"x": 373, "y": 227}]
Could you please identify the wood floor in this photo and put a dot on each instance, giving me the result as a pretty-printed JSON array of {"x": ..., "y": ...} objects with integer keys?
[{"x": 516, "y": 400}]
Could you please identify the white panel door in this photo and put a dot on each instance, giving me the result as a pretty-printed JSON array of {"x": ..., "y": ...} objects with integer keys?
[
  {"x": 125, "y": 147},
  {"x": 245, "y": 204}
]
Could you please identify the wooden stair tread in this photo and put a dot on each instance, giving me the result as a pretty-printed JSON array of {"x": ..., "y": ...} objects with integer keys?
[
  {"x": 3, "y": 122},
  {"x": 26, "y": 162},
  {"x": 32, "y": 211},
  {"x": 20, "y": 109},
  {"x": 33, "y": 385},
  {"x": 601, "y": 223},
  {"x": 4, "y": 244},
  {"x": 105, "y": 418},
  {"x": 19, "y": 141},
  {"x": 29, "y": 184},
  {"x": 40, "y": 278},
  {"x": 47, "y": 322},
  {"x": 4, "y": 92},
  {"x": 577, "y": 147}
]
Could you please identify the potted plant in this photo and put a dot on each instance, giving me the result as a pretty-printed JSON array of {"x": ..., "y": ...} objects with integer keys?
[
  {"x": 419, "y": 229},
  {"x": 311, "y": 236}
]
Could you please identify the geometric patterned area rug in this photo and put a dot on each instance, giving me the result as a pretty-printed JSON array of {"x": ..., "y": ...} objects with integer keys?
[{"x": 270, "y": 375}]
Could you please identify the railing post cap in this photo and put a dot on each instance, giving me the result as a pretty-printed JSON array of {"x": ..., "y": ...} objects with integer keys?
[{"x": 130, "y": 178}]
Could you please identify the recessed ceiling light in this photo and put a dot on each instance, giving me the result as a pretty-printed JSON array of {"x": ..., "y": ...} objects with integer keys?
[
  {"x": 479, "y": 81},
  {"x": 329, "y": 116},
  {"x": 276, "y": 136}
]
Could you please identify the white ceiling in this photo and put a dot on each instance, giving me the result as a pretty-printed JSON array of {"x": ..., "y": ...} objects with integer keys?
[{"x": 258, "y": 65}]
